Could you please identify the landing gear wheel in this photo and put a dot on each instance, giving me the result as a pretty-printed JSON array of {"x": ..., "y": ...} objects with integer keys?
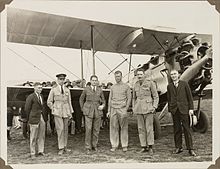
[{"x": 203, "y": 122}]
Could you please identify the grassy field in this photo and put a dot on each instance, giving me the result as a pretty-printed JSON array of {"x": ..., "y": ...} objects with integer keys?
[{"x": 18, "y": 147}]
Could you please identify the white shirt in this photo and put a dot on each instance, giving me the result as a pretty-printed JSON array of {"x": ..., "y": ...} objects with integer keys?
[
  {"x": 39, "y": 97},
  {"x": 61, "y": 89},
  {"x": 176, "y": 83},
  {"x": 94, "y": 88}
]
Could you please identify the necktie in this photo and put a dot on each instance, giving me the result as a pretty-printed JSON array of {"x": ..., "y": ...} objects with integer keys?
[
  {"x": 62, "y": 89},
  {"x": 140, "y": 83},
  {"x": 39, "y": 99},
  {"x": 93, "y": 89}
]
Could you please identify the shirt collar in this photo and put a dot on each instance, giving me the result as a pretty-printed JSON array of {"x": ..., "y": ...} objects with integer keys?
[
  {"x": 37, "y": 94},
  {"x": 140, "y": 82},
  {"x": 119, "y": 82},
  {"x": 176, "y": 82}
]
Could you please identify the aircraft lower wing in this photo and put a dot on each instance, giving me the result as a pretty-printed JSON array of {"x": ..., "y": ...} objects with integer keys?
[{"x": 16, "y": 95}]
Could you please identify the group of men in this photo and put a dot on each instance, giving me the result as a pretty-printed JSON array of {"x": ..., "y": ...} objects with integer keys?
[{"x": 144, "y": 99}]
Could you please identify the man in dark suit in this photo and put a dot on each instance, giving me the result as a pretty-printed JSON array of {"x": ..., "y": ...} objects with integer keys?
[
  {"x": 180, "y": 104},
  {"x": 92, "y": 102},
  {"x": 36, "y": 116}
]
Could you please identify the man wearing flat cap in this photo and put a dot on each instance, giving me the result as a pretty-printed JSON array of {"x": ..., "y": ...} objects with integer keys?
[{"x": 59, "y": 101}]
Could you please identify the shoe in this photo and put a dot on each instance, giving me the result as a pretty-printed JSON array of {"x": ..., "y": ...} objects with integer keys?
[
  {"x": 192, "y": 153},
  {"x": 41, "y": 154},
  {"x": 94, "y": 149},
  {"x": 124, "y": 149},
  {"x": 113, "y": 149},
  {"x": 88, "y": 151},
  {"x": 66, "y": 150},
  {"x": 151, "y": 152},
  {"x": 8, "y": 135},
  {"x": 143, "y": 150},
  {"x": 60, "y": 152},
  {"x": 178, "y": 150},
  {"x": 9, "y": 138},
  {"x": 25, "y": 136}
]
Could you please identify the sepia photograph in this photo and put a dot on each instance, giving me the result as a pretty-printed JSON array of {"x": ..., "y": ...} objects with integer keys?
[{"x": 114, "y": 84}]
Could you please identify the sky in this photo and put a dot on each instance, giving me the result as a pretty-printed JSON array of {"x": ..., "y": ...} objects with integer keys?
[{"x": 190, "y": 17}]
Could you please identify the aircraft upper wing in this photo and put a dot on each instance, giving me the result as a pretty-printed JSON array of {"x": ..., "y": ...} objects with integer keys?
[{"x": 30, "y": 27}]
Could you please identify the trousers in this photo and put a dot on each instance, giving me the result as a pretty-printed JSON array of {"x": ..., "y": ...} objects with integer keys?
[
  {"x": 118, "y": 124},
  {"x": 181, "y": 125},
  {"x": 92, "y": 126},
  {"x": 61, "y": 125},
  {"x": 37, "y": 136},
  {"x": 145, "y": 129}
]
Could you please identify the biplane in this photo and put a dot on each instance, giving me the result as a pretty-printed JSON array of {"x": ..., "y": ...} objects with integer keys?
[{"x": 190, "y": 53}]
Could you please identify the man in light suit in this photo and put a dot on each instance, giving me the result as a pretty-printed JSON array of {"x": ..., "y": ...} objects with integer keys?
[
  {"x": 92, "y": 102},
  {"x": 180, "y": 104},
  {"x": 59, "y": 101},
  {"x": 36, "y": 116}
]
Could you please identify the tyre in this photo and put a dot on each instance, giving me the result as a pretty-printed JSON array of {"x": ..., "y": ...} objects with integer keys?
[
  {"x": 157, "y": 127},
  {"x": 203, "y": 123}
]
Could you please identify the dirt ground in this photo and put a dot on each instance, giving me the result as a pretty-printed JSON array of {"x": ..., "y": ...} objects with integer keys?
[{"x": 18, "y": 147}]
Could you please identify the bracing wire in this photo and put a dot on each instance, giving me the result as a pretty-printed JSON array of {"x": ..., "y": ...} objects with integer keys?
[
  {"x": 103, "y": 62},
  {"x": 111, "y": 44},
  {"x": 87, "y": 64},
  {"x": 56, "y": 62},
  {"x": 31, "y": 63}
]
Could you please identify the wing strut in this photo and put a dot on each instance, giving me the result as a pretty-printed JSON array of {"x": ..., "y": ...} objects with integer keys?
[
  {"x": 158, "y": 42},
  {"x": 81, "y": 50},
  {"x": 129, "y": 68},
  {"x": 92, "y": 48}
]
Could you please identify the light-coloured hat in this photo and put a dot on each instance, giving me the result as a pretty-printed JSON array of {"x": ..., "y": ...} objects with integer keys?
[
  {"x": 61, "y": 75},
  {"x": 193, "y": 120}
]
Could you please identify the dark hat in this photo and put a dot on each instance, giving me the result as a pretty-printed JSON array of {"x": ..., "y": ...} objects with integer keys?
[{"x": 61, "y": 75}]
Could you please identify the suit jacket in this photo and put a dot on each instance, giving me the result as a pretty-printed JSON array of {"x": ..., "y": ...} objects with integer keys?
[
  {"x": 179, "y": 98},
  {"x": 34, "y": 109},
  {"x": 90, "y": 101},
  {"x": 59, "y": 103}
]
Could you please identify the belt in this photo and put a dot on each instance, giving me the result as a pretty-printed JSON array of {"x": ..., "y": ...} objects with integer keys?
[
  {"x": 90, "y": 101},
  {"x": 61, "y": 101}
]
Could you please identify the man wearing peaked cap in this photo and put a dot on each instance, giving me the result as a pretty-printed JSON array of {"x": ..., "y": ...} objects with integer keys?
[
  {"x": 59, "y": 101},
  {"x": 61, "y": 75}
]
